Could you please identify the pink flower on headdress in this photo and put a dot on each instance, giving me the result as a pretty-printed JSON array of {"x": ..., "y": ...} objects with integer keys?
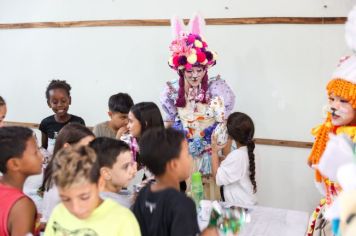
[
  {"x": 179, "y": 46},
  {"x": 175, "y": 61},
  {"x": 188, "y": 66},
  {"x": 191, "y": 38},
  {"x": 201, "y": 57},
  {"x": 190, "y": 49}
]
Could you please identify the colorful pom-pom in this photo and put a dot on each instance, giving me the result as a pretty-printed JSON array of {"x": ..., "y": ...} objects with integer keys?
[
  {"x": 192, "y": 58},
  {"x": 201, "y": 57},
  {"x": 198, "y": 44},
  {"x": 175, "y": 61},
  {"x": 190, "y": 49},
  {"x": 182, "y": 60},
  {"x": 209, "y": 55},
  {"x": 170, "y": 61},
  {"x": 188, "y": 66},
  {"x": 191, "y": 38},
  {"x": 215, "y": 56}
]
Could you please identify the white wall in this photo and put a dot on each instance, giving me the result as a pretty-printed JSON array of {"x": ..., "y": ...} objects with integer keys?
[{"x": 279, "y": 72}]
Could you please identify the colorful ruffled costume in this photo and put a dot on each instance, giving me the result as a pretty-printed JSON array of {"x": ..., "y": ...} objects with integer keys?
[
  {"x": 199, "y": 111},
  {"x": 343, "y": 84},
  {"x": 198, "y": 120},
  {"x": 342, "y": 170},
  {"x": 330, "y": 189}
]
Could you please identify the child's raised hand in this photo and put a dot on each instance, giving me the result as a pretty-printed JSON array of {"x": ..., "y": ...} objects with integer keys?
[
  {"x": 215, "y": 147},
  {"x": 123, "y": 130}
]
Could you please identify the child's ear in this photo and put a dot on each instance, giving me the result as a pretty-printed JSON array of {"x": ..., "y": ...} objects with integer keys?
[
  {"x": 105, "y": 173},
  {"x": 13, "y": 164},
  {"x": 110, "y": 114},
  {"x": 172, "y": 165}
]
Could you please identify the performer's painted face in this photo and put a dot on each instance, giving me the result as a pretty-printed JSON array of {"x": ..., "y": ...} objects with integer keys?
[
  {"x": 195, "y": 75},
  {"x": 341, "y": 111}
]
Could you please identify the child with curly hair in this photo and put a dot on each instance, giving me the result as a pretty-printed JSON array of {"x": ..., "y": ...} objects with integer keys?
[{"x": 58, "y": 99}]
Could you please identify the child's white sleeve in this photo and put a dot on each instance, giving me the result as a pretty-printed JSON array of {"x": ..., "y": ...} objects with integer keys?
[
  {"x": 232, "y": 169},
  {"x": 50, "y": 201},
  {"x": 49, "y": 227}
]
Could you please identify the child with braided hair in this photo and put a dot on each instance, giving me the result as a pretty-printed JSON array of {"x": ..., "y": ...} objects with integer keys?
[{"x": 236, "y": 173}]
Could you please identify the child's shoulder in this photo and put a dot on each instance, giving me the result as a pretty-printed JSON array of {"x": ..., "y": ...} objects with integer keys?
[
  {"x": 10, "y": 194},
  {"x": 122, "y": 200},
  {"x": 23, "y": 208},
  {"x": 78, "y": 119},
  {"x": 25, "y": 204},
  {"x": 237, "y": 155},
  {"x": 103, "y": 124},
  {"x": 60, "y": 210},
  {"x": 110, "y": 204},
  {"x": 240, "y": 150},
  {"x": 180, "y": 199},
  {"x": 113, "y": 208},
  {"x": 48, "y": 119},
  {"x": 119, "y": 217},
  {"x": 178, "y": 203},
  {"x": 172, "y": 196}
]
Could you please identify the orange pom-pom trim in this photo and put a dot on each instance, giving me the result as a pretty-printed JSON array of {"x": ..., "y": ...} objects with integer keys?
[
  {"x": 340, "y": 88},
  {"x": 344, "y": 89},
  {"x": 321, "y": 134}
]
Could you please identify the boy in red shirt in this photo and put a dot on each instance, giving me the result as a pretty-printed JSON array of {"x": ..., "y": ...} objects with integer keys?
[{"x": 19, "y": 158}]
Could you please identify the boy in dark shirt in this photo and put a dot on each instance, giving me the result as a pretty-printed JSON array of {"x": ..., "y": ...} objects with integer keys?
[
  {"x": 58, "y": 99},
  {"x": 160, "y": 208}
]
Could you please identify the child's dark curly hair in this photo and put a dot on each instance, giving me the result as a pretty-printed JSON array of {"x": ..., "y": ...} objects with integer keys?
[{"x": 58, "y": 84}]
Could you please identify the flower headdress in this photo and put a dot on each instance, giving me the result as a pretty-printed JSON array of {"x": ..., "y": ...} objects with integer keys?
[
  {"x": 343, "y": 84},
  {"x": 189, "y": 49}
]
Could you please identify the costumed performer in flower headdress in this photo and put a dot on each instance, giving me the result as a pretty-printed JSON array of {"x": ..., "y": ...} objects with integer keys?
[{"x": 195, "y": 103}]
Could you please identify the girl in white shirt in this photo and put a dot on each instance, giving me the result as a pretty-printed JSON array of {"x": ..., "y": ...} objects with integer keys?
[
  {"x": 70, "y": 135},
  {"x": 236, "y": 172}
]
